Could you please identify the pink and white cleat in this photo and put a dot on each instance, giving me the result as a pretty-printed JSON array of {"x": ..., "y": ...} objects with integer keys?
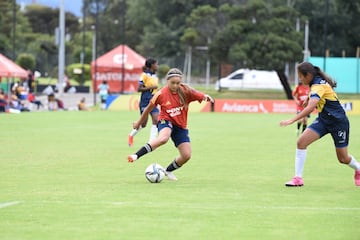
[
  {"x": 299, "y": 182},
  {"x": 357, "y": 178}
]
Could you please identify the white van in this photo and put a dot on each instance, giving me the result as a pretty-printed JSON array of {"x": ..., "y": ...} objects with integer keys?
[{"x": 249, "y": 79}]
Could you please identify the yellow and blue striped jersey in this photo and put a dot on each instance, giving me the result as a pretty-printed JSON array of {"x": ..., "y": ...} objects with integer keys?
[
  {"x": 148, "y": 79},
  {"x": 328, "y": 106}
]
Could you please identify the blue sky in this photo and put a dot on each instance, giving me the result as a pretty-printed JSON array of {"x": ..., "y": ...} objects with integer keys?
[{"x": 73, "y": 6}]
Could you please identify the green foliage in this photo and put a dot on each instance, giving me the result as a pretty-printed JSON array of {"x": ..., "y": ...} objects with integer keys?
[
  {"x": 80, "y": 41},
  {"x": 42, "y": 46},
  {"x": 7, "y": 29},
  {"x": 74, "y": 71},
  {"x": 26, "y": 61},
  {"x": 162, "y": 70},
  {"x": 264, "y": 37},
  {"x": 328, "y": 30},
  {"x": 201, "y": 26},
  {"x": 242, "y": 33},
  {"x": 45, "y": 20}
]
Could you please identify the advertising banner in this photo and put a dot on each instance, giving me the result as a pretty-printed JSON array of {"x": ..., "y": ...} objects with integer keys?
[{"x": 131, "y": 102}]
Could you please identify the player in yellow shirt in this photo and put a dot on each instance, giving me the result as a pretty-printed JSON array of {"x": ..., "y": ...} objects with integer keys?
[
  {"x": 148, "y": 85},
  {"x": 331, "y": 119}
]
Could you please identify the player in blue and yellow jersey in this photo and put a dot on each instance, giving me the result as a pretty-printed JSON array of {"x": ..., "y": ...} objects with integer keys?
[
  {"x": 331, "y": 119},
  {"x": 148, "y": 85}
]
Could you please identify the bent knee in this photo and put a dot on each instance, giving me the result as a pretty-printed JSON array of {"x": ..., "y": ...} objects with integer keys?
[
  {"x": 301, "y": 144},
  {"x": 344, "y": 160},
  {"x": 186, "y": 156}
]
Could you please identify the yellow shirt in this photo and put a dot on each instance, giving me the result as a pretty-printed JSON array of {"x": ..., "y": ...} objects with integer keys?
[{"x": 149, "y": 79}]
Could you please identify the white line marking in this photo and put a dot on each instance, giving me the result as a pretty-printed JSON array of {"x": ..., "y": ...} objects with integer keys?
[
  {"x": 197, "y": 206},
  {"x": 309, "y": 208},
  {"x": 216, "y": 206},
  {"x": 8, "y": 204}
]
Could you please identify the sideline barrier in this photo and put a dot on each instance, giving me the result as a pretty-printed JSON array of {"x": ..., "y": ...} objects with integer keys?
[
  {"x": 255, "y": 106},
  {"x": 131, "y": 103}
]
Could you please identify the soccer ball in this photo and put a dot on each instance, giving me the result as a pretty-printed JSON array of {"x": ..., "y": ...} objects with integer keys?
[{"x": 154, "y": 173}]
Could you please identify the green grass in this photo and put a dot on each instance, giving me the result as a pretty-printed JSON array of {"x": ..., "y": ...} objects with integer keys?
[{"x": 67, "y": 175}]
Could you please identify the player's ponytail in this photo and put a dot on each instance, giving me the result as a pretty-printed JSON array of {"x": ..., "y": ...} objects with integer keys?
[
  {"x": 326, "y": 77},
  {"x": 306, "y": 68}
]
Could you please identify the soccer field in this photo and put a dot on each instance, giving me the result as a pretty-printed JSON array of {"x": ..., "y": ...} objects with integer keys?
[{"x": 65, "y": 175}]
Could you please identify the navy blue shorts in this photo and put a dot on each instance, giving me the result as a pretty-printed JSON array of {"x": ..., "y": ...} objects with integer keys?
[
  {"x": 178, "y": 135},
  {"x": 339, "y": 131},
  {"x": 155, "y": 110}
]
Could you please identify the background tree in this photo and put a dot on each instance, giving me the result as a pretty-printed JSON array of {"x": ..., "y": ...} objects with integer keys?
[
  {"x": 45, "y": 20},
  {"x": 73, "y": 72},
  {"x": 23, "y": 30},
  {"x": 342, "y": 33},
  {"x": 244, "y": 33},
  {"x": 351, "y": 13},
  {"x": 261, "y": 36},
  {"x": 26, "y": 61}
]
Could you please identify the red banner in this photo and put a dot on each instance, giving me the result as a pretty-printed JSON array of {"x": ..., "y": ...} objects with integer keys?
[{"x": 254, "y": 106}]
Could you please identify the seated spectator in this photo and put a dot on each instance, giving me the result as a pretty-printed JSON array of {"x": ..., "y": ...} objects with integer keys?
[
  {"x": 17, "y": 104},
  {"x": 32, "y": 99},
  {"x": 82, "y": 105},
  {"x": 54, "y": 103},
  {"x": 67, "y": 84},
  {"x": 21, "y": 91},
  {"x": 3, "y": 101}
]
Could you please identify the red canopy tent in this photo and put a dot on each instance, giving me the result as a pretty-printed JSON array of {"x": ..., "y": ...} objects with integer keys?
[
  {"x": 10, "y": 69},
  {"x": 111, "y": 67}
]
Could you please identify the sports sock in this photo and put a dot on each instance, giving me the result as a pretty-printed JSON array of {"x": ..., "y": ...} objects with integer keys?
[
  {"x": 298, "y": 125},
  {"x": 134, "y": 131},
  {"x": 144, "y": 150},
  {"x": 172, "y": 166},
  {"x": 354, "y": 164},
  {"x": 153, "y": 132},
  {"x": 300, "y": 161},
  {"x": 304, "y": 127}
]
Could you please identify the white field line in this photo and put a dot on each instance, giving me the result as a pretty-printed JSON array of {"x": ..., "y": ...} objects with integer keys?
[
  {"x": 8, "y": 204},
  {"x": 192, "y": 206},
  {"x": 310, "y": 208},
  {"x": 196, "y": 206}
]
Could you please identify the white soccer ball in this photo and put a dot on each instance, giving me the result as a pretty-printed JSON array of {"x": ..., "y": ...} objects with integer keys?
[{"x": 154, "y": 173}]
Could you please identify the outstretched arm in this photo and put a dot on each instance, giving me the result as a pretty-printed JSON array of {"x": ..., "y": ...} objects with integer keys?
[
  {"x": 208, "y": 98},
  {"x": 143, "y": 116},
  {"x": 142, "y": 88},
  {"x": 307, "y": 110}
]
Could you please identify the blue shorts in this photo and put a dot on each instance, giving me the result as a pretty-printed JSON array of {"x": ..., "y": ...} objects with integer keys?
[
  {"x": 144, "y": 103},
  {"x": 155, "y": 110},
  {"x": 178, "y": 135},
  {"x": 339, "y": 131}
]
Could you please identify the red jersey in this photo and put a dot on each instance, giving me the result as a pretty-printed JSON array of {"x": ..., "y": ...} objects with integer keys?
[
  {"x": 301, "y": 93},
  {"x": 170, "y": 106}
]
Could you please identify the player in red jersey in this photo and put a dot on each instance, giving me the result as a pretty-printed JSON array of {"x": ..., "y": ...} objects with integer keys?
[
  {"x": 174, "y": 99},
  {"x": 301, "y": 94}
]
